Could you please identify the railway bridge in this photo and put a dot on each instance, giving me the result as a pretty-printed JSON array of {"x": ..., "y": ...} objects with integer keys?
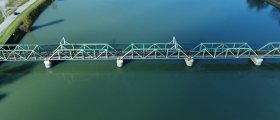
[{"x": 103, "y": 51}]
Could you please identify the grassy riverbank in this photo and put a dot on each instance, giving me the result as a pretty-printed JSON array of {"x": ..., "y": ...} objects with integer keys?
[
  {"x": 12, "y": 32},
  {"x": 16, "y": 3},
  {"x": 274, "y": 3},
  {"x": 11, "y": 4}
]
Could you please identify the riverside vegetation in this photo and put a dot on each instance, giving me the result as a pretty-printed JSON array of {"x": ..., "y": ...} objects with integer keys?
[
  {"x": 12, "y": 6},
  {"x": 21, "y": 25}
]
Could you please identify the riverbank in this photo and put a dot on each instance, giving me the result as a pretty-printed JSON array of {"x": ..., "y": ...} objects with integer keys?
[
  {"x": 10, "y": 18},
  {"x": 12, "y": 6},
  {"x": 13, "y": 34},
  {"x": 275, "y": 3}
]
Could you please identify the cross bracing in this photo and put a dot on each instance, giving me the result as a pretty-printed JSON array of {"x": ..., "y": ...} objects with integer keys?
[
  {"x": 270, "y": 50},
  {"x": 67, "y": 51},
  {"x": 171, "y": 50},
  {"x": 21, "y": 53},
  {"x": 104, "y": 51},
  {"x": 222, "y": 50}
]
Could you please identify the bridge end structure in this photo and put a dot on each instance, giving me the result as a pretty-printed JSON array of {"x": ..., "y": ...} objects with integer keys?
[
  {"x": 257, "y": 61},
  {"x": 189, "y": 62}
]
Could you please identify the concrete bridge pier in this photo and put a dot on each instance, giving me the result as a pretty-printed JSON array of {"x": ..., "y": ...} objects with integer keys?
[
  {"x": 48, "y": 64},
  {"x": 257, "y": 61},
  {"x": 119, "y": 63},
  {"x": 189, "y": 61}
]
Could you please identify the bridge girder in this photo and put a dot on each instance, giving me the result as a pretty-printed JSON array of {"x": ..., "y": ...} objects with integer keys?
[
  {"x": 67, "y": 51},
  {"x": 20, "y": 53},
  {"x": 270, "y": 50},
  {"x": 104, "y": 51},
  {"x": 171, "y": 50},
  {"x": 222, "y": 51}
]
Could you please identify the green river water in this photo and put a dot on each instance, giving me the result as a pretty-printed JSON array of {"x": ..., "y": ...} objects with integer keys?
[{"x": 147, "y": 89}]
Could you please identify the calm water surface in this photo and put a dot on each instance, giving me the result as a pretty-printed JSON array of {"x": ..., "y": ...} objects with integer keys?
[{"x": 147, "y": 90}]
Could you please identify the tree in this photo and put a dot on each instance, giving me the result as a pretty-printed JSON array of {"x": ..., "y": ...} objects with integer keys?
[{"x": 27, "y": 21}]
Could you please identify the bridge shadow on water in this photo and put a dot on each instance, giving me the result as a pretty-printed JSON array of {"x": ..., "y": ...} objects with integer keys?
[
  {"x": 275, "y": 67},
  {"x": 127, "y": 62},
  {"x": 229, "y": 67},
  {"x": 36, "y": 27},
  {"x": 2, "y": 96},
  {"x": 216, "y": 66},
  {"x": 57, "y": 62},
  {"x": 9, "y": 75}
]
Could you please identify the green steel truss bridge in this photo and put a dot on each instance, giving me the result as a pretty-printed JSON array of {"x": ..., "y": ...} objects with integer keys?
[{"x": 104, "y": 51}]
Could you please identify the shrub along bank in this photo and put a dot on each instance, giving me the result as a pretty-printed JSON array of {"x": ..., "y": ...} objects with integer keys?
[{"x": 17, "y": 29}]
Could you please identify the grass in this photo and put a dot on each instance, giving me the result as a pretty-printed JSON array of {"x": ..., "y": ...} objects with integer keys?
[
  {"x": 11, "y": 11},
  {"x": 17, "y": 22},
  {"x": 1, "y": 19},
  {"x": 16, "y": 3},
  {"x": 274, "y": 3},
  {"x": 12, "y": 3}
]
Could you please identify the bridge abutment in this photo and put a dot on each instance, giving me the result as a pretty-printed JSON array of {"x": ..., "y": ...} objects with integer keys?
[
  {"x": 48, "y": 64},
  {"x": 119, "y": 63},
  {"x": 257, "y": 61},
  {"x": 189, "y": 62}
]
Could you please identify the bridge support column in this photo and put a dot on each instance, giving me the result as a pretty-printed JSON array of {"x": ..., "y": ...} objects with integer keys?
[
  {"x": 119, "y": 63},
  {"x": 48, "y": 64},
  {"x": 257, "y": 61},
  {"x": 189, "y": 62}
]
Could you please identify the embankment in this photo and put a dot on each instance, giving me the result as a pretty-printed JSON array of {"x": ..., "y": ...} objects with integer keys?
[
  {"x": 274, "y": 3},
  {"x": 13, "y": 33}
]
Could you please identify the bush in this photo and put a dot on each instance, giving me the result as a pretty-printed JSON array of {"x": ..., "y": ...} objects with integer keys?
[{"x": 27, "y": 22}]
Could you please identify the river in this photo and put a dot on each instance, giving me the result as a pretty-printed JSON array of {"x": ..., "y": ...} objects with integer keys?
[{"x": 147, "y": 89}]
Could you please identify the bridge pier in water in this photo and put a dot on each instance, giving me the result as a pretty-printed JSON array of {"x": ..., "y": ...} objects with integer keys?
[
  {"x": 48, "y": 64},
  {"x": 257, "y": 61},
  {"x": 119, "y": 63},
  {"x": 189, "y": 62}
]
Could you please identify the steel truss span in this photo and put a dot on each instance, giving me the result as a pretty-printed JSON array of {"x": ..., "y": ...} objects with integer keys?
[{"x": 103, "y": 51}]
